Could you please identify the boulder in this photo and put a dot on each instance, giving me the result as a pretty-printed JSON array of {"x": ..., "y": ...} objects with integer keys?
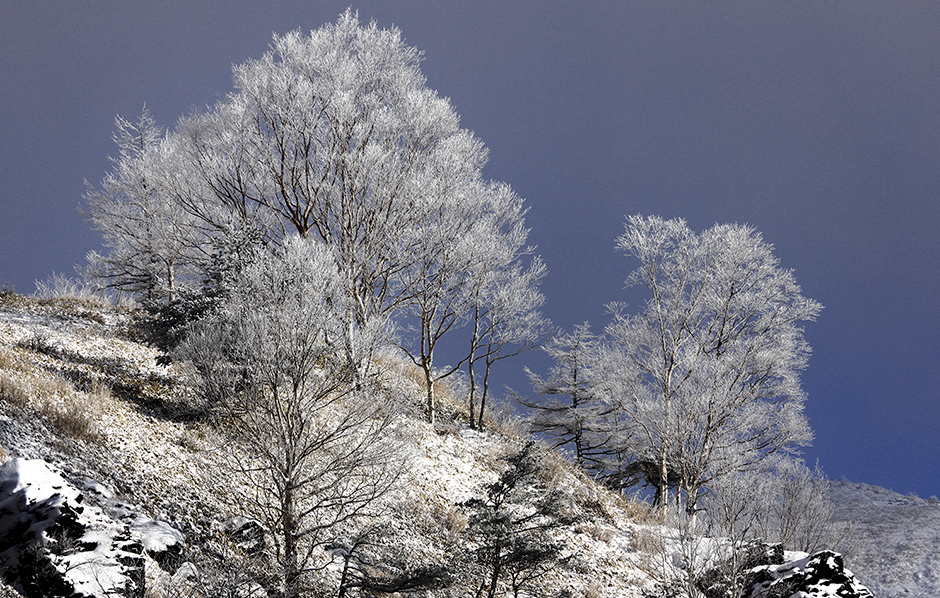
[
  {"x": 54, "y": 543},
  {"x": 822, "y": 575},
  {"x": 247, "y": 534},
  {"x": 717, "y": 581}
]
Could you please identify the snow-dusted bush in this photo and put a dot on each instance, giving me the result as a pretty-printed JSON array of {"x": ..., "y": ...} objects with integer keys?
[
  {"x": 60, "y": 286},
  {"x": 510, "y": 527}
]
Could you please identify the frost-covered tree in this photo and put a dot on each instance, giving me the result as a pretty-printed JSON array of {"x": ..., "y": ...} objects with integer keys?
[
  {"x": 335, "y": 135},
  {"x": 506, "y": 318},
  {"x": 475, "y": 240},
  {"x": 709, "y": 368},
  {"x": 148, "y": 238},
  {"x": 318, "y": 455},
  {"x": 801, "y": 507}
]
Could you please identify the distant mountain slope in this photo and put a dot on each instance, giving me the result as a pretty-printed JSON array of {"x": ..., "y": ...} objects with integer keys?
[{"x": 896, "y": 539}]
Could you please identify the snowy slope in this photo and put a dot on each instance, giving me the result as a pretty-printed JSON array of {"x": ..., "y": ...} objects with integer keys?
[
  {"x": 148, "y": 457},
  {"x": 895, "y": 541},
  {"x": 97, "y": 417}
]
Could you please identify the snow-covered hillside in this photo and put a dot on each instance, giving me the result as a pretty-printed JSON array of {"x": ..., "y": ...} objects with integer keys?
[
  {"x": 106, "y": 461},
  {"x": 894, "y": 542}
]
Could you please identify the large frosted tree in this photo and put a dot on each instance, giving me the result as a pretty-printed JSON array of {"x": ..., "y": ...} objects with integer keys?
[
  {"x": 709, "y": 369},
  {"x": 335, "y": 135}
]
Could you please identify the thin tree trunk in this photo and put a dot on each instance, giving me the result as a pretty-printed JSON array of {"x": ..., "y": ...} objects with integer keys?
[
  {"x": 430, "y": 383},
  {"x": 170, "y": 281},
  {"x": 494, "y": 581},
  {"x": 473, "y": 423},
  {"x": 486, "y": 388},
  {"x": 291, "y": 573},
  {"x": 662, "y": 492}
]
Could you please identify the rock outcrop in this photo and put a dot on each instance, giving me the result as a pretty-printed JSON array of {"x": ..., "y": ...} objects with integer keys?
[
  {"x": 769, "y": 572},
  {"x": 822, "y": 575},
  {"x": 53, "y": 542}
]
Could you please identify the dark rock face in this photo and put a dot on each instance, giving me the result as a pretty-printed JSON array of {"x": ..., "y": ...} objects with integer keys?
[
  {"x": 246, "y": 534},
  {"x": 820, "y": 575},
  {"x": 169, "y": 559}
]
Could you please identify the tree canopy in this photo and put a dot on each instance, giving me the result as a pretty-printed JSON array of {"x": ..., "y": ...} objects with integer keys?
[{"x": 333, "y": 136}]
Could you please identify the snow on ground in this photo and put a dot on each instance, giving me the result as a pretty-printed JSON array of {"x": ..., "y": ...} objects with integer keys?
[
  {"x": 150, "y": 465},
  {"x": 169, "y": 475}
]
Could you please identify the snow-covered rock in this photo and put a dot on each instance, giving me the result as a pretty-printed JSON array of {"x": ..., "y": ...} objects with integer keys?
[
  {"x": 822, "y": 575},
  {"x": 246, "y": 534},
  {"x": 53, "y": 542},
  {"x": 771, "y": 571}
]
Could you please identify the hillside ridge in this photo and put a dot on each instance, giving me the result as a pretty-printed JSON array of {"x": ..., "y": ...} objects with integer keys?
[{"x": 89, "y": 402}]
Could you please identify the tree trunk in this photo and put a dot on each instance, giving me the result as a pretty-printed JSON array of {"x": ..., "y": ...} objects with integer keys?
[
  {"x": 170, "y": 281},
  {"x": 662, "y": 491},
  {"x": 291, "y": 569},
  {"x": 426, "y": 366},
  {"x": 494, "y": 580},
  {"x": 473, "y": 423},
  {"x": 473, "y": 347},
  {"x": 486, "y": 387}
]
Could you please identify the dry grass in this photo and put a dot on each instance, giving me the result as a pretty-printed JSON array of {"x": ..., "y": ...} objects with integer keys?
[
  {"x": 74, "y": 414},
  {"x": 10, "y": 298},
  {"x": 193, "y": 439},
  {"x": 600, "y": 533},
  {"x": 507, "y": 422},
  {"x": 13, "y": 392},
  {"x": 595, "y": 590},
  {"x": 406, "y": 384},
  {"x": 554, "y": 469},
  {"x": 79, "y": 417},
  {"x": 73, "y": 420},
  {"x": 51, "y": 387},
  {"x": 641, "y": 513},
  {"x": 648, "y": 541},
  {"x": 8, "y": 360}
]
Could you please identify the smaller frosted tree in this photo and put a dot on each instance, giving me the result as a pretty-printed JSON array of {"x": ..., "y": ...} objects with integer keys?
[
  {"x": 473, "y": 243},
  {"x": 779, "y": 501},
  {"x": 507, "y": 320},
  {"x": 801, "y": 509},
  {"x": 149, "y": 239},
  {"x": 709, "y": 369},
  {"x": 318, "y": 456}
]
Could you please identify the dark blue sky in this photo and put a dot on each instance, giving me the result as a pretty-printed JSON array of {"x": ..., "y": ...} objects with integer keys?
[{"x": 817, "y": 122}]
